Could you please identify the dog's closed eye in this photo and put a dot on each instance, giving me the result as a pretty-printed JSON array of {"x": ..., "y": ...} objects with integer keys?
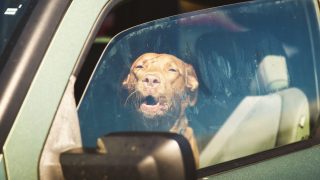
[
  {"x": 173, "y": 70},
  {"x": 139, "y": 67}
]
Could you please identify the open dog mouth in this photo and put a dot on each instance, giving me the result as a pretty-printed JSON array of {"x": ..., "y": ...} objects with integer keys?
[
  {"x": 152, "y": 106},
  {"x": 151, "y": 101}
]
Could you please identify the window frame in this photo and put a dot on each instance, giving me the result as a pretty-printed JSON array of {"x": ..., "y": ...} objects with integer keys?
[{"x": 258, "y": 158}]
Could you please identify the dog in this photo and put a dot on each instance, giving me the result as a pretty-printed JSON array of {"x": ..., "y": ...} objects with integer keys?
[{"x": 161, "y": 87}]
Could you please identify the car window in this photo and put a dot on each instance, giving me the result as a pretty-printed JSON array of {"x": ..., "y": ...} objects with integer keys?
[
  {"x": 13, "y": 16},
  {"x": 234, "y": 80}
]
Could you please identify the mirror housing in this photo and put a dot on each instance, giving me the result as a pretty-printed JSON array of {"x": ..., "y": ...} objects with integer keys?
[{"x": 134, "y": 155}]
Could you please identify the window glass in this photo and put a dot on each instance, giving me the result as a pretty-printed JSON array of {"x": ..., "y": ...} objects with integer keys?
[{"x": 234, "y": 80}]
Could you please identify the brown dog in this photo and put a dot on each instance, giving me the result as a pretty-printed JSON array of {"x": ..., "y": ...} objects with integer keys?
[{"x": 162, "y": 86}]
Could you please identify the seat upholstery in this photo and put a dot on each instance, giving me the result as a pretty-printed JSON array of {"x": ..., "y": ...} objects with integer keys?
[
  {"x": 295, "y": 117},
  {"x": 251, "y": 128},
  {"x": 273, "y": 78},
  {"x": 262, "y": 122}
]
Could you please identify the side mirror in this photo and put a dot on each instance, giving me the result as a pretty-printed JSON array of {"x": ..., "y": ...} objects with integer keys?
[{"x": 143, "y": 155}]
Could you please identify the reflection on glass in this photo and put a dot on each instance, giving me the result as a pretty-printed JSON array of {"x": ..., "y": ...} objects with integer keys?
[{"x": 240, "y": 79}]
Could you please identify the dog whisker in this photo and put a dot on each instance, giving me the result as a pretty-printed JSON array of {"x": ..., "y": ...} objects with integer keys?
[{"x": 129, "y": 96}]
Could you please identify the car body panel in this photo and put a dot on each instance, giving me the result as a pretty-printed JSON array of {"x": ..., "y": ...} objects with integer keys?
[
  {"x": 24, "y": 59},
  {"x": 26, "y": 139},
  {"x": 298, "y": 165},
  {"x": 2, "y": 169}
]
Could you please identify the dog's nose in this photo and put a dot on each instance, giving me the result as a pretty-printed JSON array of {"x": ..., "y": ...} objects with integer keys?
[{"x": 150, "y": 80}]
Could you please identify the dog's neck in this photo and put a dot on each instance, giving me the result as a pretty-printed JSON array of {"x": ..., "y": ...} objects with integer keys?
[{"x": 180, "y": 125}]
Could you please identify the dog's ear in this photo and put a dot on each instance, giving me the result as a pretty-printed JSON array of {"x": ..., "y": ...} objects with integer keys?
[
  {"x": 192, "y": 84},
  {"x": 128, "y": 82}
]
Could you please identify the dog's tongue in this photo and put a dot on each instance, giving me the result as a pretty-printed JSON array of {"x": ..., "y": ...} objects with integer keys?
[{"x": 151, "y": 100}]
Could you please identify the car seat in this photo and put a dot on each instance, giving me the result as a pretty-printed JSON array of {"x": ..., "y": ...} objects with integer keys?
[
  {"x": 262, "y": 122},
  {"x": 295, "y": 121}
]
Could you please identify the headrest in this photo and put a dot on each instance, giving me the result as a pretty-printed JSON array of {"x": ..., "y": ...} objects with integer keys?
[{"x": 273, "y": 73}]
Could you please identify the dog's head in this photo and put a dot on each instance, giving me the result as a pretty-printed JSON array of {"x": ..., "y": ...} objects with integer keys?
[{"x": 161, "y": 86}]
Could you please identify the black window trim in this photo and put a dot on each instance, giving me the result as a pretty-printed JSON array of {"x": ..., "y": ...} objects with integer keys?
[{"x": 259, "y": 157}]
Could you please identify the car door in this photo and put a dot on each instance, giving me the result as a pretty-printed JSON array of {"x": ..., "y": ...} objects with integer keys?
[{"x": 251, "y": 26}]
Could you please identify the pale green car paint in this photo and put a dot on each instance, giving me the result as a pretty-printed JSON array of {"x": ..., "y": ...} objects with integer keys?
[
  {"x": 2, "y": 168},
  {"x": 26, "y": 139}
]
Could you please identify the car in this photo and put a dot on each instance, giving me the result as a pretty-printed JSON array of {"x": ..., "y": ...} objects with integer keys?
[{"x": 63, "y": 65}]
